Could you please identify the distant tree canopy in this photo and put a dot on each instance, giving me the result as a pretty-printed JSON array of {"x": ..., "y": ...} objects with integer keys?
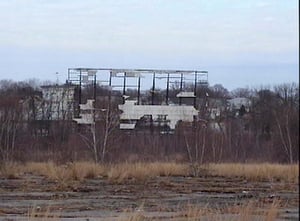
[{"x": 269, "y": 131}]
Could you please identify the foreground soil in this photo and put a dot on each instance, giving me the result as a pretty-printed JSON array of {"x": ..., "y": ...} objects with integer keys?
[{"x": 32, "y": 197}]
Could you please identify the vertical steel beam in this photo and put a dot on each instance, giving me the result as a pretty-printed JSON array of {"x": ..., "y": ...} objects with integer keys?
[
  {"x": 79, "y": 92},
  {"x": 181, "y": 86},
  {"x": 195, "y": 90},
  {"x": 110, "y": 88},
  {"x": 139, "y": 90},
  {"x": 153, "y": 89},
  {"x": 68, "y": 75},
  {"x": 181, "y": 81},
  {"x": 95, "y": 89},
  {"x": 167, "y": 92},
  {"x": 124, "y": 87}
]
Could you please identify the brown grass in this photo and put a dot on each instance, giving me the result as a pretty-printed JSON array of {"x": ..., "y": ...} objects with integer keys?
[
  {"x": 42, "y": 214},
  {"x": 72, "y": 171},
  {"x": 272, "y": 212},
  {"x": 144, "y": 171},
  {"x": 189, "y": 212},
  {"x": 116, "y": 172},
  {"x": 246, "y": 212},
  {"x": 10, "y": 170},
  {"x": 257, "y": 172},
  {"x": 65, "y": 175},
  {"x": 122, "y": 172}
]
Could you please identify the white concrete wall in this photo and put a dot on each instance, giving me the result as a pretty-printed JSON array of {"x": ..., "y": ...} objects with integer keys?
[{"x": 173, "y": 113}]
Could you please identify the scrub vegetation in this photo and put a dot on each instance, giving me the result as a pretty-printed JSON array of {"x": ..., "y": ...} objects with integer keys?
[{"x": 137, "y": 172}]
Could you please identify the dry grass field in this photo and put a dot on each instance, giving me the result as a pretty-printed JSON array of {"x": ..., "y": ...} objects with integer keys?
[
  {"x": 149, "y": 191},
  {"x": 142, "y": 171}
]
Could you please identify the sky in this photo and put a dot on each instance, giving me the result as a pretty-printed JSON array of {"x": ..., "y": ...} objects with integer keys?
[{"x": 241, "y": 43}]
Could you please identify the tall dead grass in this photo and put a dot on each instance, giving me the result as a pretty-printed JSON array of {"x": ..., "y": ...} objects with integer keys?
[
  {"x": 118, "y": 172},
  {"x": 252, "y": 172},
  {"x": 189, "y": 212},
  {"x": 66, "y": 175},
  {"x": 72, "y": 171},
  {"x": 193, "y": 212},
  {"x": 144, "y": 171},
  {"x": 257, "y": 172},
  {"x": 10, "y": 170},
  {"x": 246, "y": 212},
  {"x": 273, "y": 212},
  {"x": 121, "y": 172}
]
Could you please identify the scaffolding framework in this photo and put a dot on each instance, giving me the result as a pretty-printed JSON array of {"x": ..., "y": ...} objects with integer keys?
[
  {"x": 121, "y": 80},
  {"x": 82, "y": 76}
]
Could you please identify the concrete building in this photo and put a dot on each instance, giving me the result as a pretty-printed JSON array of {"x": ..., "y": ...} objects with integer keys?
[{"x": 159, "y": 114}]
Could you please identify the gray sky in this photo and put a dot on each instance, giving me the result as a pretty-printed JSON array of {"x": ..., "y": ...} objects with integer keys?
[{"x": 240, "y": 43}]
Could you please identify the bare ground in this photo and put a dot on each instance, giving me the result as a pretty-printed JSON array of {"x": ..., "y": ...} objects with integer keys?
[{"x": 31, "y": 197}]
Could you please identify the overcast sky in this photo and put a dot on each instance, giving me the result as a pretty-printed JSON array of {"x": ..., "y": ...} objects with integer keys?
[{"x": 240, "y": 43}]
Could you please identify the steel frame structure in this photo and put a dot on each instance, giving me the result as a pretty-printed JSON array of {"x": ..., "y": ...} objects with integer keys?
[{"x": 78, "y": 76}]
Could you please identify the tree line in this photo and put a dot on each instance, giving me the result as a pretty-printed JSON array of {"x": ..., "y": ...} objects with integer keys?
[{"x": 267, "y": 132}]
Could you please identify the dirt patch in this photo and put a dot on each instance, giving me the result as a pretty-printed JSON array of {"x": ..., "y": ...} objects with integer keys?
[{"x": 161, "y": 198}]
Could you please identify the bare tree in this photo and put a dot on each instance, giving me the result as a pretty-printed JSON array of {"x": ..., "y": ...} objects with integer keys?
[
  {"x": 100, "y": 129},
  {"x": 286, "y": 116},
  {"x": 10, "y": 123},
  {"x": 109, "y": 121}
]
